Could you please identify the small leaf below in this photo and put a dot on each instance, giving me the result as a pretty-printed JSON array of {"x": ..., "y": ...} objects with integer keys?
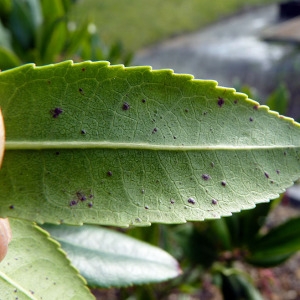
[
  {"x": 108, "y": 258},
  {"x": 35, "y": 268}
]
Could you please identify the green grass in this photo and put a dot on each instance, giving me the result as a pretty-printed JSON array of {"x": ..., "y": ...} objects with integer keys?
[{"x": 139, "y": 23}]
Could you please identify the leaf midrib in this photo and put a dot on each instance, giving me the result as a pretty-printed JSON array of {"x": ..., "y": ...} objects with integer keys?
[{"x": 27, "y": 145}]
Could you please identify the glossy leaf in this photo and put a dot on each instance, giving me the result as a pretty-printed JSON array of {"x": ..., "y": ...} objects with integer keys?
[
  {"x": 236, "y": 286},
  {"x": 35, "y": 268},
  {"x": 106, "y": 144},
  {"x": 282, "y": 239},
  {"x": 108, "y": 258},
  {"x": 8, "y": 59}
]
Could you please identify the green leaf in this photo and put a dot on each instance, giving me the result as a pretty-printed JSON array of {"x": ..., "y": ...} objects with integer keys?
[
  {"x": 237, "y": 286},
  {"x": 267, "y": 261},
  {"x": 281, "y": 240},
  {"x": 279, "y": 99},
  {"x": 104, "y": 144},
  {"x": 275, "y": 247},
  {"x": 108, "y": 258},
  {"x": 8, "y": 59},
  {"x": 35, "y": 267},
  {"x": 24, "y": 20}
]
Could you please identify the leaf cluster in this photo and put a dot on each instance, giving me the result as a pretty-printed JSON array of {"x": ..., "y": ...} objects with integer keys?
[{"x": 43, "y": 32}]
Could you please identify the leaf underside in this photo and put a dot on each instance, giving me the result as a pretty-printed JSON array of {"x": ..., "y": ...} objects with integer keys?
[
  {"x": 36, "y": 268},
  {"x": 93, "y": 143}
]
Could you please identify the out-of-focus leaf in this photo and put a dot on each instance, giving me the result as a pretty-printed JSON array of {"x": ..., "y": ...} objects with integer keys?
[
  {"x": 250, "y": 222},
  {"x": 108, "y": 258},
  {"x": 279, "y": 99},
  {"x": 8, "y": 59},
  {"x": 6, "y": 6},
  {"x": 5, "y": 37},
  {"x": 36, "y": 268},
  {"x": 262, "y": 260},
  {"x": 282, "y": 240},
  {"x": 24, "y": 20},
  {"x": 52, "y": 35},
  {"x": 236, "y": 286}
]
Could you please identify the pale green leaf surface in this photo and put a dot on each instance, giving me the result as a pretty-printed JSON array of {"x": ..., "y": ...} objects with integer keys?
[
  {"x": 107, "y": 258},
  {"x": 135, "y": 145},
  {"x": 35, "y": 268}
]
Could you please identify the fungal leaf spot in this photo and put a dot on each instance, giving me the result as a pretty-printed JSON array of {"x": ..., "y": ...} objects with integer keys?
[
  {"x": 56, "y": 112},
  {"x": 73, "y": 203},
  {"x": 125, "y": 106},
  {"x": 221, "y": 101},
  {"x": 154, "y": 130},
  {"x": 191, "y": 201},
  {"x": 205, "y": 177},
  {"x": 214, "y": 201}
]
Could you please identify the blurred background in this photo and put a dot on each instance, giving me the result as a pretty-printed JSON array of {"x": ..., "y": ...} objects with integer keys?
[{"x": 251, "y": 45}]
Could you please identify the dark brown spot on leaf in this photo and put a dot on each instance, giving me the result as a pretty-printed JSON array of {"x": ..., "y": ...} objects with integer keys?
[
  {"x": 235, "y": 101},
  {"x": 83, "y": 131},
  {"x": 146, "y": 207},
  {"x": 109, "y": 173},
  {"x": 267, "y": 175},
  {"x": 214, "y": 201},
  {"x": 57, "y": 153},
  {"x": 81, "y": 91},
  {"x": 83, "y": 69},
  {"x": 191, "y": 201},
  {"x": 255, "y": 107},
  {"x": 205, "y": 177},
  {"x": 172, "y": 201},
  {"x": 154, "y": 130},
  {"x": 223, "y": 183},
  {"x": 125, "y": 106},
  {"x": 277, "y": 171},
  {"x": 144, "y": 100},
  {"x": 251, "y": 119},
  {"x": 11, "y": 207},
  {"x": 90, "y": 204},
  {"x": 220, "y": 101},
  {"x": 73, "y": 202},
  {"x": 56, "y": 112}
]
